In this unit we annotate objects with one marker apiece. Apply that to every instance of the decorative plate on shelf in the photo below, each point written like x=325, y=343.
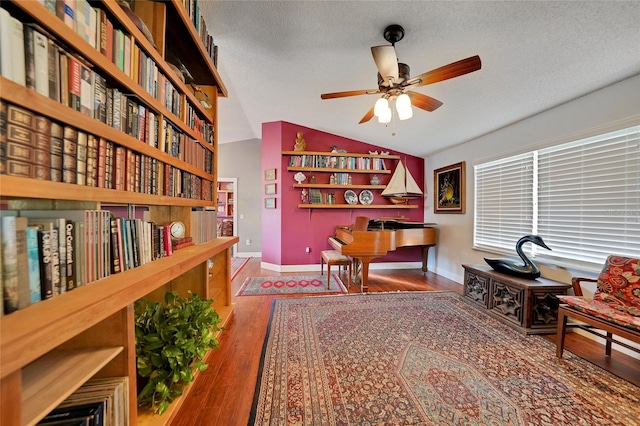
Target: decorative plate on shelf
x=350, y=197
x=366, y=197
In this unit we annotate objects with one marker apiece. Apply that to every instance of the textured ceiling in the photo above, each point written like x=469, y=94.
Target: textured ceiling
x=277, y=57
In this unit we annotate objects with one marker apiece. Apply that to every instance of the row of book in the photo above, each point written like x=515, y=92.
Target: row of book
x=336, y=162
x=96, y=27
x=46, y=253
x=31, y=57
x=193, y=10
x=33, y=146
x=99, y=402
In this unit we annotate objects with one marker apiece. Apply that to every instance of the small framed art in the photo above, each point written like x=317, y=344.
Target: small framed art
x=269, y=203
x=448, y=189
x=270, y=174
x=270, y=189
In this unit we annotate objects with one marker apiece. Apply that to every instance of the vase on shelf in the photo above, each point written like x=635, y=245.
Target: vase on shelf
x=375, y=180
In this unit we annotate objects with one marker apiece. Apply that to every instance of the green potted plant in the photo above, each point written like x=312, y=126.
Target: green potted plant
x=171, y=342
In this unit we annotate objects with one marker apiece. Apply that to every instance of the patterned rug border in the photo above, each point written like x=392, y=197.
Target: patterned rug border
x=238, y=268
x=570, y=358
x=336, y=278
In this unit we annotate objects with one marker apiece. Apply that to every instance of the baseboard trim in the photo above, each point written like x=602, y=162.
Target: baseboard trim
x=248, y=254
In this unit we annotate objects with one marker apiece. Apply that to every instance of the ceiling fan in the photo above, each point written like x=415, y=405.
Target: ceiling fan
x=395, y=84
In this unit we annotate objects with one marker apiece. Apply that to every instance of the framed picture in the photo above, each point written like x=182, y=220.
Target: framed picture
x=270, y=188
x=448, y=189
x=269, y=203
x=270, y=174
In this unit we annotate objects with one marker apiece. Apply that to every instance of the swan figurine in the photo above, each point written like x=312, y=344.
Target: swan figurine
x=511, y=267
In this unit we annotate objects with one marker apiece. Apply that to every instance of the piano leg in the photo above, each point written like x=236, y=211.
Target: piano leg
x=363, y=265
x=357, y=265
x=365, y=276
x=425, y=256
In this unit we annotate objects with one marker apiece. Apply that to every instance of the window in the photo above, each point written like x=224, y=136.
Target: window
x=582, y=198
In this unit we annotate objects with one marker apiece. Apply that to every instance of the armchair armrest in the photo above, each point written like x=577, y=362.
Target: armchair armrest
x=575, y=282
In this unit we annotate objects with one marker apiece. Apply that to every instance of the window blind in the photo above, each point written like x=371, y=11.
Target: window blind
x=504, y=203
x=584, y=198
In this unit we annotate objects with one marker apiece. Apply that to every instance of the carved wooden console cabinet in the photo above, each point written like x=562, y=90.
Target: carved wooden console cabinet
x=529, y=305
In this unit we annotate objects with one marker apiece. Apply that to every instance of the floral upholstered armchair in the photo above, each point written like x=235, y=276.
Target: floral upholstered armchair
x=615, y=307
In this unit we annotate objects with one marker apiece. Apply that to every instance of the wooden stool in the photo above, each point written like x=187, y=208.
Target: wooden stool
x=332, y=257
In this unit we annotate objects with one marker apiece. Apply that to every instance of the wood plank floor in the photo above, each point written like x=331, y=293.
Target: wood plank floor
x=223, y=394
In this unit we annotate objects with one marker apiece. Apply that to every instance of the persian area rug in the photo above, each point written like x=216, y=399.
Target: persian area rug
x=423, y=358
x=237, y=263
x=253, y=286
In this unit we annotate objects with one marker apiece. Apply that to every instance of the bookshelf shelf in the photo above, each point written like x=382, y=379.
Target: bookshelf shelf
x=51, y=348
x=329, y=186
x=358, y=206
x=52, y=378
x=342, y=154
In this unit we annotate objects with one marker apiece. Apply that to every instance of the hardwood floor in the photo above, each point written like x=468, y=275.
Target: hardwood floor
x=223, y=394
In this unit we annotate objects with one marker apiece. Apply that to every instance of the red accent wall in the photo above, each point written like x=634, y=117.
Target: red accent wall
x=288, y=230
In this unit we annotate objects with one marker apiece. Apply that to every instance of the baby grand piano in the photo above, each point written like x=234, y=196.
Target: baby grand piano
x=368, y=239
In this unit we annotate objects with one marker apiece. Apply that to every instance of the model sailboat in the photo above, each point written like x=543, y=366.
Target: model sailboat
x=402, y=187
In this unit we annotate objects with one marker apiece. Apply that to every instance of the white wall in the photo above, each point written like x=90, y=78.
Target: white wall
x=575, y=119
x=242, y=160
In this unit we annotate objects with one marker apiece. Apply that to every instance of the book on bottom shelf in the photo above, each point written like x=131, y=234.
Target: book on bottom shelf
x=92, y=414
x=103, y=400
x=113, y=392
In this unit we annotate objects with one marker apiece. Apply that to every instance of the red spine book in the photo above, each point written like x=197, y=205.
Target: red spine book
x=167, y=240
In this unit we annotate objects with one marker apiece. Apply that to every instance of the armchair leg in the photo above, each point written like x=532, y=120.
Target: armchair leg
x=562, y=329
x=608, y=344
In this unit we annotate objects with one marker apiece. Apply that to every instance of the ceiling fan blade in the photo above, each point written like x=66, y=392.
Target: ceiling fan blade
x=455, y=69
x=424, y=102
x=348, y=93
x=367, y=116
x=386, y=61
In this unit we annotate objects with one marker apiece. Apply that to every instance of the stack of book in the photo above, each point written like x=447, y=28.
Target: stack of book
x=99, y=402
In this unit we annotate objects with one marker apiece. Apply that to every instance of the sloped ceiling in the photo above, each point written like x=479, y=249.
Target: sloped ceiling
x=277, y=57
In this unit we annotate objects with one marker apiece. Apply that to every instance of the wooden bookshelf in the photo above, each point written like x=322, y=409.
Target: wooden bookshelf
x=52, y=347
x=344, y=187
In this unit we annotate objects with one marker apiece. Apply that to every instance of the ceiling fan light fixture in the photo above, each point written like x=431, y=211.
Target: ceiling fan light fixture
x=381, y=105
x=403, y=106
x=385, y=116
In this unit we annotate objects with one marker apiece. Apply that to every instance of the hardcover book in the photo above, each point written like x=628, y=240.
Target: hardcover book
x=42, y=139
x=3, y=138
x=71, y=254
x=10, y=278
x=102, y=163
x=17, y=52
x=69, y=155
x=24, y=290
x=29, y=55
x=33, y=253
x=46, y=266
x=81, y=159
x=57, y=134
x=92, y=161
x=6, y=68
x=54, y=71
x=100, y=98
x=41, y=63
x=64, y=77
x=86, y=90
x=74, y=83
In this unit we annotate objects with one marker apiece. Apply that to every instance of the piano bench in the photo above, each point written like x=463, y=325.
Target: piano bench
x=332, y=257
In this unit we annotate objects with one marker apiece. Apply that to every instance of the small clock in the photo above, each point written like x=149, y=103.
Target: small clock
x=177, y=229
